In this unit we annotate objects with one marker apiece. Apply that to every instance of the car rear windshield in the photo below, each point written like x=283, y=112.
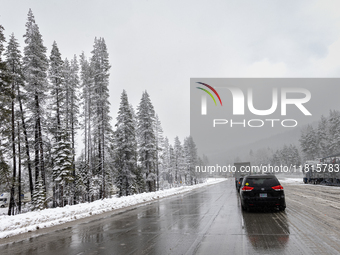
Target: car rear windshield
x=262, y=182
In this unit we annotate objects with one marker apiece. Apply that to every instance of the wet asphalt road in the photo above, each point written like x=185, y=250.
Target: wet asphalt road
x=205, y=221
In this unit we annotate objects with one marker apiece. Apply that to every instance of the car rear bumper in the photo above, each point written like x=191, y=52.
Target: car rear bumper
x=261, y=202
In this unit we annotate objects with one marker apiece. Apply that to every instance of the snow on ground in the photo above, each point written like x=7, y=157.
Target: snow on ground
x=291, y=180
x=31, y=221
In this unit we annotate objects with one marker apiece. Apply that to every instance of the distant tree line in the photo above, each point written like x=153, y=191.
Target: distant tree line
x=316, y=141
x=47, y=102
x=287, y=155
x=322, y=140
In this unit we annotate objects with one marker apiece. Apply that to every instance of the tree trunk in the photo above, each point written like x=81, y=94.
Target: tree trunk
x=73, y=157
x=26, y=144
x=11, y=204
x=102, y=157
x=19, y=174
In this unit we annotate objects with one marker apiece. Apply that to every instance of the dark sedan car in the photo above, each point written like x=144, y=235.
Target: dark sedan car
x=262, y=191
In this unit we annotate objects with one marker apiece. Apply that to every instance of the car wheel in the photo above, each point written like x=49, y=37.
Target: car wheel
x=243, y=207
x=282, y=208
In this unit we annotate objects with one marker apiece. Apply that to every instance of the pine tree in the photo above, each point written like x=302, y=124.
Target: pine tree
x=190, y=152
x=309, y=143
x=323, y=135
x=159, y=147
x=334, y=132
x=86, y=84
x=165, y=162
x=35, y=65
x=5, y=111
x=171, y=169
x=14, y=157
x=102, y=129
x=285, y=155
x=296, y=160
x=7, y=87
x=14, y=64
x=126, y=149
x=71, y=108
x=74, y=113
x=57, y=103
x=63, y=165
x=178, y=160
x=147, y=150
x=139, y=177
x=276, y=159
x=81, y=180
x=57, y=92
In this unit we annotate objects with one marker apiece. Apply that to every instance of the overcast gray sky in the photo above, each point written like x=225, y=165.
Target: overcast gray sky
x=159, y=45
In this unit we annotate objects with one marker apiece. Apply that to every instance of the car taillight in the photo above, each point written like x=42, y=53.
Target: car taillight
x=247, y=188
x=277, y=188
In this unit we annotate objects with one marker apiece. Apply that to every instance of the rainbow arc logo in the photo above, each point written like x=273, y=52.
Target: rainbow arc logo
x=212, y=89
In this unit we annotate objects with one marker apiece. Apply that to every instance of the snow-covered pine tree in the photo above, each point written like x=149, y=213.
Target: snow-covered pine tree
x=171, y=169
x=165, y=165
x=86, y=85
x=178, y=161
x=285, y=155
x=159, y=147
x=13, y=136
x=13, y=59
x=309, y=143
x=139, y=177
x=190, y=152
x=56, y=90
x=323, y=135
x=81, y=179
x=67, y=93
x=63, y=167
x=74, y=113
x=5, y=112
x=334, y=131
x=74, y=101
x=102, y=130
x=303, y=142
x=8, y=85
x=147, y=147
x=57, y=94
x=125, y=149
x=5, y=85
x=296, y=160
x=35, y=65
x=276, y=159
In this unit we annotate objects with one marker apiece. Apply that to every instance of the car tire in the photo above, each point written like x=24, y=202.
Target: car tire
x=282, y=208
x=243, y=207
